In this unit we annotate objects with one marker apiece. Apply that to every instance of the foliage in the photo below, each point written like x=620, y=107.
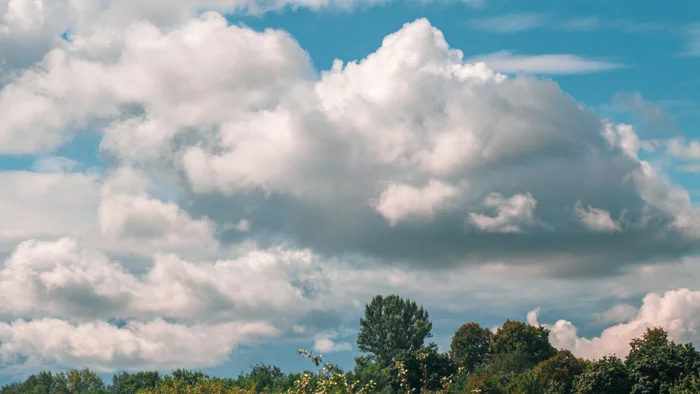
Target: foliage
x=655, y=363
x=393, y=326
x=687, y=385
x=127, y=383
x=556, y=375
x=470, y=346
x=262, y=378
x=524, y=338
x=608, y=375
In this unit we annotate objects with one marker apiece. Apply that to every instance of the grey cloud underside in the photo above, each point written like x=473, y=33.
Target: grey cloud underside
x=444, y=243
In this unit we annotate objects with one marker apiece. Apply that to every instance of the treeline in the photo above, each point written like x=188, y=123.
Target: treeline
x=517, y=358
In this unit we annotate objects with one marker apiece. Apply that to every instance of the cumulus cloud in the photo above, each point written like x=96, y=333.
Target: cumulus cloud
x=511, y=213
x=679, y=148
x=64, y=280
x=296, y=153
x=404, y=202
x=46, y=205
x=106, y=347
x=327, y=343
x=133, y=220
x=596, y=219
x=676, y=311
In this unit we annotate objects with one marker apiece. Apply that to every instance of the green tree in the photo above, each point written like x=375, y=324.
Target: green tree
x=656, y=363
x=264, y=377
x=687, y=385
x=187, y=377
x=392, y=326
x=84, y=381
x=608, y=375
x=128, y=383
x=557, y=374
x=470, y=346
x=517, y=336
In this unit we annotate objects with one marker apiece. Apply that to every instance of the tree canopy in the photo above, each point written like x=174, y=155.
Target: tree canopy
x=392, y=326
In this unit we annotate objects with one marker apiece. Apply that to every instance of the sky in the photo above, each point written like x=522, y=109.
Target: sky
x=211, y=184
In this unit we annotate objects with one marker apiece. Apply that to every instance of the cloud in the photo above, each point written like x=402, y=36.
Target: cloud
x=105, y=347
x=596, y=219
x=676, y=311
x=297, y=153
x=46, y=205
x=515, y=22
x=511, y=213
x=510, y=23
x=692, y=43
x=618, y=313
x=678, y=148
x=400, y=202
x=64, y=280
x=133, y=220
x=55, y=164
x=325, y=343
x=553, y=64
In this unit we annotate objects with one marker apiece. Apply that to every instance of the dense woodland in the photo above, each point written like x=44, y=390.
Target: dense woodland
x=518, y=358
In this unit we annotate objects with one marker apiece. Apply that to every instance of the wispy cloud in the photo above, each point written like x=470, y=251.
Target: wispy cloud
x=511, y=23
x=560, y=64
x=524, y=21
x=692, y=43
x=588, y=23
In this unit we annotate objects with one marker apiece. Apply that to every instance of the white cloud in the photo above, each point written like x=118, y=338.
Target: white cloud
x=326, y=343
x=64, y=280
x=678, y=148
x=676, y=311
x=411, y=113
x=553, y=64
x=399, y=202
x=511, y=213
x=596, y=219
x=36, y=205
x=130, y=217
x=104, y=347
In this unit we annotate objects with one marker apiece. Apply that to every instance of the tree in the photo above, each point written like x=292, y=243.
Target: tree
x=556, y=375
x=470, y=346
x=84, y=381
x=264, y=377
x=392, y=326
x=518, y=336
x=127, y=383
x=656, y=363
x=687, y=385
x=608, y=375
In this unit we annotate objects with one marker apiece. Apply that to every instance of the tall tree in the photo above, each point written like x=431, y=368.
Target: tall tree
x=391, y=327
x=470, y=345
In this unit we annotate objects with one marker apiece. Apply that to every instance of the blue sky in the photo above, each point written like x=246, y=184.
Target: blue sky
x=204, y=173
